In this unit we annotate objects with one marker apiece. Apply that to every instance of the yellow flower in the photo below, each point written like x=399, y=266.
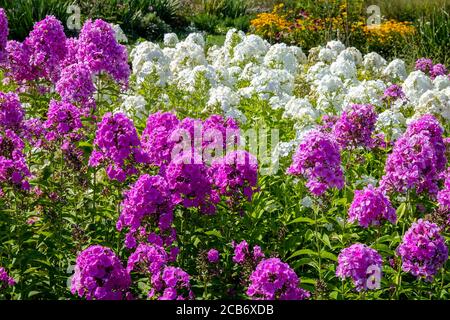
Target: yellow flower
x=389, y=30
x=267, y=24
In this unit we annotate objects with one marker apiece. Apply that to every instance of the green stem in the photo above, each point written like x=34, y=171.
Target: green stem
x=316, y=231
x=94, y=198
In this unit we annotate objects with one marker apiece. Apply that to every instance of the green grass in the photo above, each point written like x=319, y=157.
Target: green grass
x=408, y=10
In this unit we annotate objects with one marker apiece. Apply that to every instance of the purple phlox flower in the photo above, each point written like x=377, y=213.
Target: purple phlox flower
x=275, y=280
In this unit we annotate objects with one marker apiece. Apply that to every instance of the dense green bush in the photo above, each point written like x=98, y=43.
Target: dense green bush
x=22, y=14
x=138, y=18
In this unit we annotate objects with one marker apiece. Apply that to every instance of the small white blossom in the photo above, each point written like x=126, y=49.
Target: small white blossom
x=336, y=46
x=396, y=70
x=170, y=39
x=374, y=62
x=416, y=84
x=327, y=55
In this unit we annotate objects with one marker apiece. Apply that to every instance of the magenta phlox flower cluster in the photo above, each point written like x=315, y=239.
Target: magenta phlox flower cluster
x=219, y=133
x=190, y=184
x=147, y=258
x=4, y=31
x=155, y=138
x=443, y=196
x=356, y=126
x=148, y=199
x=438, y=70
x=213, y=256
x=243, y=255
x=18, y=67
x=235, y=175
x=75, y=84
x=47, y=47
x=40, y=55
x=98, y=48
x=5, y=279
x=328, y=122
x=173, y=284
x=63, y=121
x=117, y=145
x=71, y=52
x=11, y=112
x=431, y=127
x=318, y=159
x=418, y=158
x=186, y=151
x=168, y=283
x=424, y=64
x=423, y=250
x=275, y=280
x=99, y=275
x=370, y=207
x=206, y=140
x=358, y=262
x=33, y=131
x=13, y=167
x=394, y=92
x=433, y=70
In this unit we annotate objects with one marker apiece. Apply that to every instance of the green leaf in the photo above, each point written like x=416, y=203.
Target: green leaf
x=302, y=220
x=32, y=293
x=303, y=252
x=326, y=240
x=328, y=255
x=401, y=211
x=214, y=233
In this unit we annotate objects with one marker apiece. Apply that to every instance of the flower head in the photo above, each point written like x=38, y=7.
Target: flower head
x=318, y=159
x=17, y=65
x=355, y=127
x=75, y=84
x=423, y=250
x=148, y=198
x=11, y=111
x=156, y=140
x=358, y=262
x=370, y=206
x=173, y=284
x=117, y=144
x=424, y=64
x=438, y=70
x=393, y=92
x=243, y=255
x=4, y=31
x=443, y=196
x=275, y=280
x=213, y=256
x=148, y=258
x=236, y=174
x=98, y=48
x=5, y=279
x=13, y=166
x=63, y=120
x=47, y=47
x=191, y=184
x=418, y=158
x=99, y=275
